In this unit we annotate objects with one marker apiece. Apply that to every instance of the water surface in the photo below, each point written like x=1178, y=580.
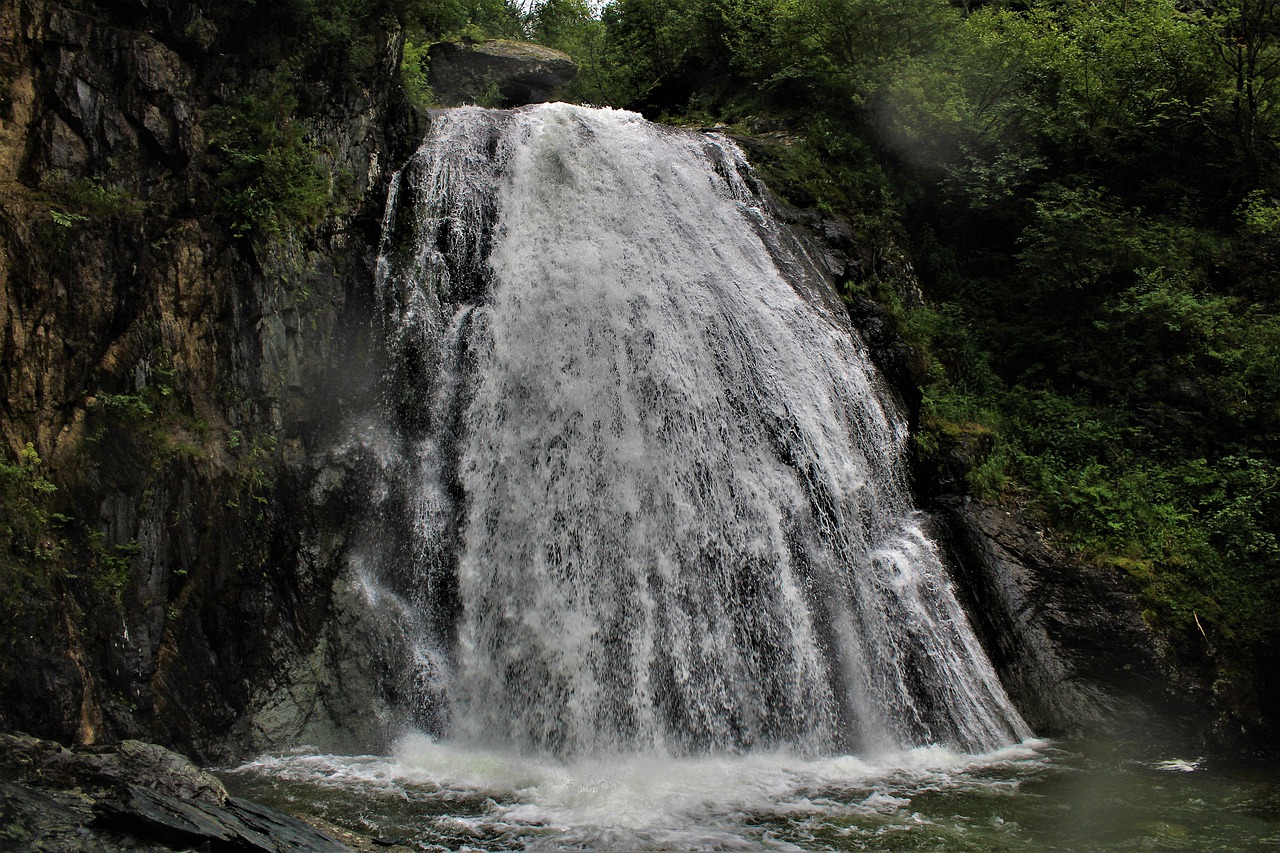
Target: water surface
x=1037, y=795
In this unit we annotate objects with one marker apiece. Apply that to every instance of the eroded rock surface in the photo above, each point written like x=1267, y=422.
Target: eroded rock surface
x=172, y=370
x=132, y=795
x=465, y=72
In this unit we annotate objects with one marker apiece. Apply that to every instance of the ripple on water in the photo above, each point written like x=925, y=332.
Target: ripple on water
x=444, y=795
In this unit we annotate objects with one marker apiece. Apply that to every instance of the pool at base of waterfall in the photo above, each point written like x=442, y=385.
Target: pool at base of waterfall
x=1034, y=796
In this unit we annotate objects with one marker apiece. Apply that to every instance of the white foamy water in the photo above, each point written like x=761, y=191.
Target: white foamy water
x=654, y=489
x=774, y=800
x=1035, y=797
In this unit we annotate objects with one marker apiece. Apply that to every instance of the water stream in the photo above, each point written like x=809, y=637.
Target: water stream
x=1035, y=796
x=651, y=485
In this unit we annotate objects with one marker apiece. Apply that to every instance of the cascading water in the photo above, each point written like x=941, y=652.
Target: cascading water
x=652, y=497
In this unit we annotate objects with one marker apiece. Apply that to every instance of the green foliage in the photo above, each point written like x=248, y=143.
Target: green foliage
x=30, y=542
x=75, y=204
x=413, y=73
x=572, y=26
x=859, y=44
x=1248, y=49
x=24, y=497
x=131, y=408
x=151, y=426
x=835, y=172
x=1260, y=219
x=269, y=178
x=474, y=18
x=1198, y=535
x=1225, y=345
x=111, y=567
x=959, y=412
x=66, y=220
x=491, y=96
x=1075, y=81
x=90, y=199
x=650, y=38
x=254, y=475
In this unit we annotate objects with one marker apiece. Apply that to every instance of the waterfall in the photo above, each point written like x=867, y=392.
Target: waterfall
x=649, y=488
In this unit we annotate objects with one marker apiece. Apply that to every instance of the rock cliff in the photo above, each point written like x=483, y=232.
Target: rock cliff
x=179, y=333
x=498, y=72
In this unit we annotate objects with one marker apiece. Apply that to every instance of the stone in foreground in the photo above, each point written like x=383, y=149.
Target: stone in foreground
x=131, y=795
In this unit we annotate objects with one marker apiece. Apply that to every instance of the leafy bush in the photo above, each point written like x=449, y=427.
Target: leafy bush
x=24, y=496
x=90, y=198
x=413, y=74
x=269, y=178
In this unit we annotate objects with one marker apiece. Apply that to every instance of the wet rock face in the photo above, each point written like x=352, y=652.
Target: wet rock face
x=174, y=377
x=520, y=73
x=1068, y=639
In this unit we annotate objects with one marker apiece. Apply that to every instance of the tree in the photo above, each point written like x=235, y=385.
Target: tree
x=1249, y=47
x=863, y=42
x=571, y=26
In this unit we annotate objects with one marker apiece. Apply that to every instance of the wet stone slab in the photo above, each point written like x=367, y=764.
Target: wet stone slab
x=131, y=796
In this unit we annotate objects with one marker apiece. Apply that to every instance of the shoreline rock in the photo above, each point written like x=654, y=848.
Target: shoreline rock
x=132, y=795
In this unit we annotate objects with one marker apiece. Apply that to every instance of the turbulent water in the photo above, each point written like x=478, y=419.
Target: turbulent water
x=645, y=488
x=1031, y=797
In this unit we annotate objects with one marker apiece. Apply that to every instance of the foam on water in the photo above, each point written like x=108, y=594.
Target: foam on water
x=652, y=801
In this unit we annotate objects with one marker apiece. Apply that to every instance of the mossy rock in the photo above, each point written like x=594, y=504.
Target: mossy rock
x=498, y=72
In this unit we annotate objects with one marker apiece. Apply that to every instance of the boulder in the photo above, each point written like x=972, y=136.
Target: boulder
x=466, y=72
x=132, y=795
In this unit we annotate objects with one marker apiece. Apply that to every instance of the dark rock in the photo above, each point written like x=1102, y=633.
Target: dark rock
x=260, y=342
x=240, y=825
x=147, y=814
x=32, y=819
x=278, y=829
x=1067, y=639
x=465, y=72
x=132, y=795
x=44, y=762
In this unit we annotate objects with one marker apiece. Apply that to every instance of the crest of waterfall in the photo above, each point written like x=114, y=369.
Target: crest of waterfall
x=653, y=496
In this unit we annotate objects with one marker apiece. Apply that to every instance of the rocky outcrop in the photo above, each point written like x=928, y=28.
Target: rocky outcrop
x=1067, y=639
x=174, y=356
x=132, y=795
x=498, y=73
